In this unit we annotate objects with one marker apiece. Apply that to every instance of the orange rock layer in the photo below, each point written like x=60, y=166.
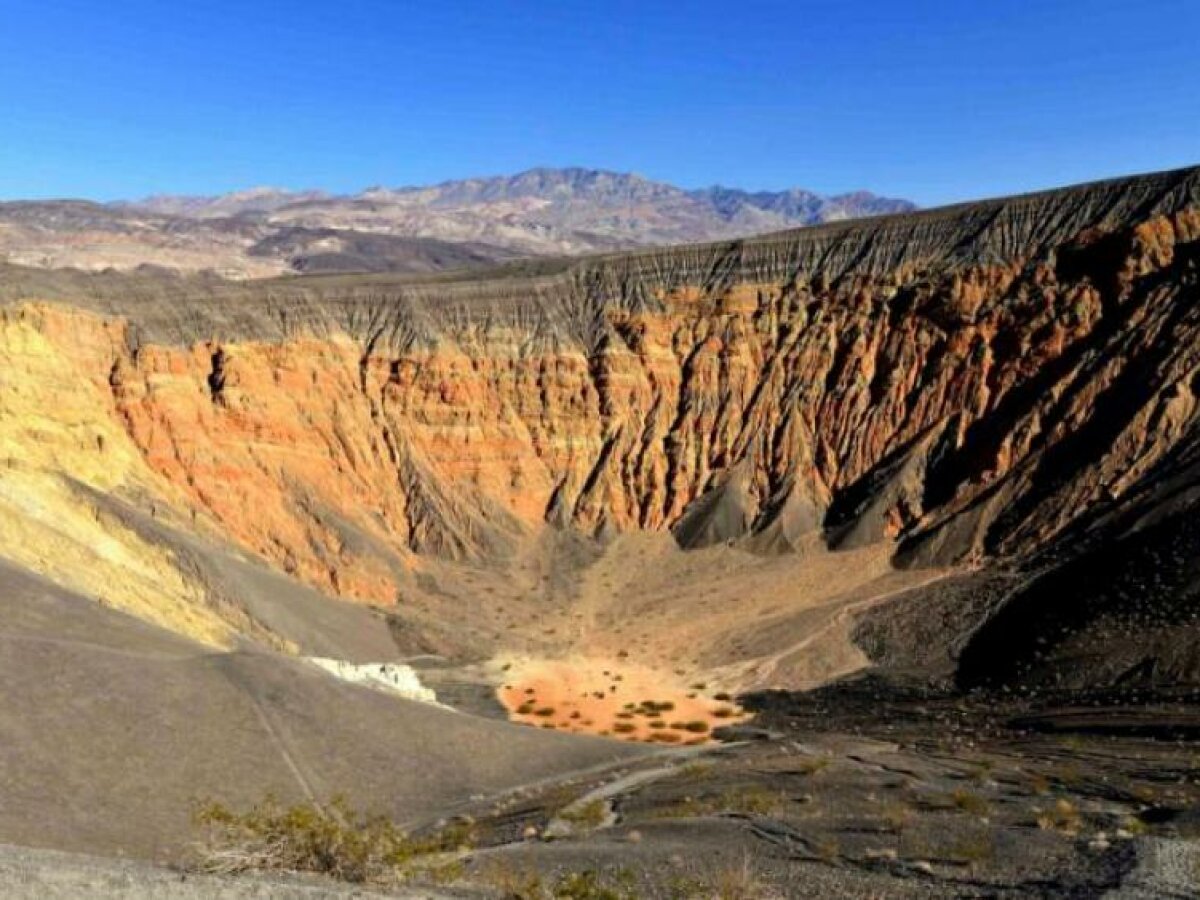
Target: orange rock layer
x=966, y=409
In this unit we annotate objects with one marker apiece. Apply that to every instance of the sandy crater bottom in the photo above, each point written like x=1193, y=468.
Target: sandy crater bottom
x=613, y=698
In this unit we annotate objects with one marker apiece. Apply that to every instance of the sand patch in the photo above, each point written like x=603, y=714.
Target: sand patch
x=614, y=698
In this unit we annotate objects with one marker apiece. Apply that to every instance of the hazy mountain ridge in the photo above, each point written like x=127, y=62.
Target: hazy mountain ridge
x=574, y=186
x=267, y=231
x=541, y=211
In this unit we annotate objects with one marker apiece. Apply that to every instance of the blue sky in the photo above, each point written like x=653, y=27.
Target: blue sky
x=935, y=101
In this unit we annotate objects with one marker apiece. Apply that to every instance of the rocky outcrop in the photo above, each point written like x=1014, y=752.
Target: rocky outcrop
x=970, y=383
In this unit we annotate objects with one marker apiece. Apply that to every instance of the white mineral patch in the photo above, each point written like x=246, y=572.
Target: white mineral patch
x=395, y=678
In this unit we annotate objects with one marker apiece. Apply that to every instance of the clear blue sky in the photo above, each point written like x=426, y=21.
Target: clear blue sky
x=935, y=101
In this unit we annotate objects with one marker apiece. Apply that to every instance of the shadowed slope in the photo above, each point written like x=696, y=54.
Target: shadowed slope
x=113, y=727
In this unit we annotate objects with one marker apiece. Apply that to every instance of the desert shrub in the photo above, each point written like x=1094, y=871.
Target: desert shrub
x=897, y=817
x=590, y=815
x=665, y=737
x=696, y=727
x=694, y=771
x=544, y=712
x=685, y=887
x=331, y=840
x=1063, y=816
x=1038, y=784
x=1135, y=826
x=589, y=885
x=624, y=728
x=724, y=712
x=982, y=771
x=738, y=881
x=972, y=849
x=654, y=707
x=512, y=880
x=969, y=802
x=812, y=765
x=826, y=849
x=754, y=798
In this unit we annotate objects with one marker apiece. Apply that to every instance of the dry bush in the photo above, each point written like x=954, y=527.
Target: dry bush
x=812, y=765
x=1038, y=784
x=1063, y=816
x=971, y=850
x=331, y=840
x=652, y=707
x=590, y=885
x=754, y=798
x=512, y=880
x=827, y=849
x=739, y=881
x=1135, y=826
x=665, y=737
x=897, y=816
x=969, y=802
x=694, y=771
x=590, y=815
x=981, y=773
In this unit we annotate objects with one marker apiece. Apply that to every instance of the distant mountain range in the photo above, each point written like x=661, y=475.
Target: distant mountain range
x=266, y=231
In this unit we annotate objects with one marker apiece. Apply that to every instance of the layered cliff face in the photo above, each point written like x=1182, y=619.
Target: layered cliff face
x=969, y=385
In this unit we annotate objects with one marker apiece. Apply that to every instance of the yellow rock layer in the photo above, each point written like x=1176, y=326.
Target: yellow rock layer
x=57, y=424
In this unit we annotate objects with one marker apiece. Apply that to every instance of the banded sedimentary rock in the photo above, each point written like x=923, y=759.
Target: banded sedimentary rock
x=968, y=382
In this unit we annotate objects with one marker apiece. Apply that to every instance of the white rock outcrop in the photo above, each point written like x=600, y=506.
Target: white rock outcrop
x=395, y=678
